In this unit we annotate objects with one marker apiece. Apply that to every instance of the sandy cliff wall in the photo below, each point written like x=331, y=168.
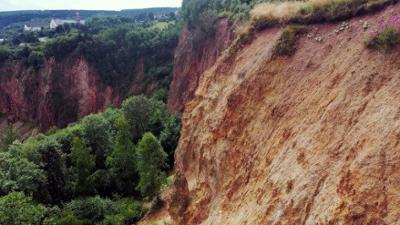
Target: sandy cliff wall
x=193, y=56
x=310, y=139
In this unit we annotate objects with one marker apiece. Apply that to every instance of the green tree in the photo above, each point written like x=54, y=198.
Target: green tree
x=36, y=59
x=8, y=137
x=18, y=209
x=138, y=112
x=129, y=212
x=53, y=162
x=122, y=161
x=18, y=174
x=169, y=137
x=91, y=210
x=84, y=165
x=151, y=160
x=4, y=53
x=96, y=130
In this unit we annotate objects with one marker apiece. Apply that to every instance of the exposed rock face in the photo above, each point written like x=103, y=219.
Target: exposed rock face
x=59, y=93
x=310, y=139
x=192, y=58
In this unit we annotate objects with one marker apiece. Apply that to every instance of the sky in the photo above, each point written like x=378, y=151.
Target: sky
x=10, y=5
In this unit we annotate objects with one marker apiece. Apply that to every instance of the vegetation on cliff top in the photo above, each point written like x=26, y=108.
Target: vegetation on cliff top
x=96, y=171
x=117, y=47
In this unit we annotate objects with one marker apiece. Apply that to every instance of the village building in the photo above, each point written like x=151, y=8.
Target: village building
x=54, y=23
x=36, y=26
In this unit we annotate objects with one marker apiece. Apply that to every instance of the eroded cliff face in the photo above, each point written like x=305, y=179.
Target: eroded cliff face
x=309, y=139
x=59, y=93
x=193, y=56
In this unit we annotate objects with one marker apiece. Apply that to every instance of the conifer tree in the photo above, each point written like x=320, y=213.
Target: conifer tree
x=151, y=160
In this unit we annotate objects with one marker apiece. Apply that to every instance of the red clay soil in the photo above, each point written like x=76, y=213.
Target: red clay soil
x=192, y=58
x=308, y=139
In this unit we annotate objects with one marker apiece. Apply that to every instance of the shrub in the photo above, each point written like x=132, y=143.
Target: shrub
x=385, y=40
x=286, y=44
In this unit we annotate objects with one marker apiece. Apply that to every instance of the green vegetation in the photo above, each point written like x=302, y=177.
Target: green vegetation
x=286, y=44
x=84, y=166
x=385, y=40
x=116, y=46
x=16, y=208
x=98, y=170
x=151, y=160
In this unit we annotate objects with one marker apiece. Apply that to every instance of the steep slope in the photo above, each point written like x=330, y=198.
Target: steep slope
x=310, y=139
x=60, y=92
x=192, y=58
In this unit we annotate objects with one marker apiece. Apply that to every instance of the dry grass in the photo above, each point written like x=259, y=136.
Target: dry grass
x=268, y=14
x=276, y=11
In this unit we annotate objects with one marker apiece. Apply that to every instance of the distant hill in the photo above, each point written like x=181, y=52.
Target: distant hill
x=14, y=17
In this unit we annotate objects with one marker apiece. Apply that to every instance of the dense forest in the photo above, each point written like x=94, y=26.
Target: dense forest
x=99, y=170
x=111, y=44
x=103, y=168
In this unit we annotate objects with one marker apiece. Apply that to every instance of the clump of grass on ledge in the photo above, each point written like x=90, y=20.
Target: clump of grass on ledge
x=243, y=37
x=303, y=12
x=286, y=44
x=384, y=40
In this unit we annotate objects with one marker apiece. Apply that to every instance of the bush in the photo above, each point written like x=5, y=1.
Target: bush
x=385, y=40
x=286, y=44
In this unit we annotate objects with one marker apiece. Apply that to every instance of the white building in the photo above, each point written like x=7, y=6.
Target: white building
x=54, y=23
x=35, y=27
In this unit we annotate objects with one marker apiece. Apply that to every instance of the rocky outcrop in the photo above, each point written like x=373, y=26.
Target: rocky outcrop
x=59, y=93
x=310, y=139
x=193, y=56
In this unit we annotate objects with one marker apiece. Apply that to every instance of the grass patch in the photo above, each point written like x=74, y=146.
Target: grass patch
x=286, y=44
x=243, y=38
x=385, y=40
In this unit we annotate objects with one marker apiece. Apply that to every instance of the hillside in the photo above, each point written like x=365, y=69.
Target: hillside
x=310, y=138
